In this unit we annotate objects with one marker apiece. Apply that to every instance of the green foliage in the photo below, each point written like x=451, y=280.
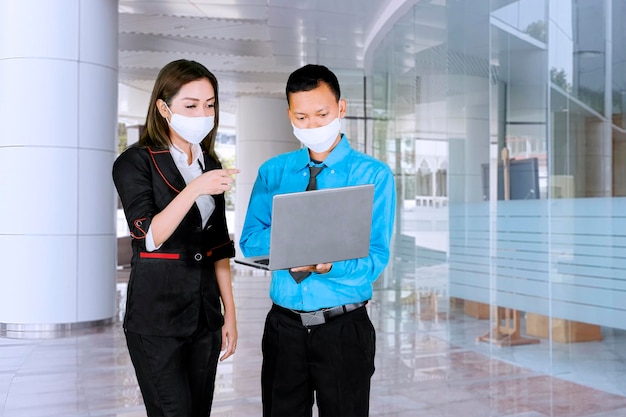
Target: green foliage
x=537, y=30
x=122, y=138
x=559, y=78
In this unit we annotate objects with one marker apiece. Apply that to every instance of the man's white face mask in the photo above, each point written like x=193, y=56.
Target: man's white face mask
x=318, y=139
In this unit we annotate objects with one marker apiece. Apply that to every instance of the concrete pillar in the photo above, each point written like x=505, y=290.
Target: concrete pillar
x=263, y=130
x=58, y=84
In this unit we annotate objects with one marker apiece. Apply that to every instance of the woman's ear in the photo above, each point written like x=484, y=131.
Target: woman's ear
x=162, y=108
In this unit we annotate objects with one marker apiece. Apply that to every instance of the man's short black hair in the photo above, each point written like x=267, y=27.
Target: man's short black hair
x=309, y=77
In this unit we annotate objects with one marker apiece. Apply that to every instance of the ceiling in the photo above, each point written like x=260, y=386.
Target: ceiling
x=250, y=45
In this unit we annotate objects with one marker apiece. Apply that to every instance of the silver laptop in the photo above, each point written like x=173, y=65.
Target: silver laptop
x=321, y=226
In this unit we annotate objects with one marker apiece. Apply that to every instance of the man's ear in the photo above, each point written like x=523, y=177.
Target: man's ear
x=342, y=107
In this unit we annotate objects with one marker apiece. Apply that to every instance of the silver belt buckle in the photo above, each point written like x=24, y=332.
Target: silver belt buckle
x=314, y=318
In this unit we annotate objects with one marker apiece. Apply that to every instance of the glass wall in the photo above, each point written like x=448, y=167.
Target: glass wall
x=504, y=123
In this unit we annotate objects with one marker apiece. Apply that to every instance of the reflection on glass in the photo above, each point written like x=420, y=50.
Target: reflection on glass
x=544, y=85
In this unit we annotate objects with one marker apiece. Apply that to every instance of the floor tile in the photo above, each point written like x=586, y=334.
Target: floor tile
x=427, y=364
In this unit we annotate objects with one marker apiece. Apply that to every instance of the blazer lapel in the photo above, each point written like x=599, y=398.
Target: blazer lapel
x=165, y=166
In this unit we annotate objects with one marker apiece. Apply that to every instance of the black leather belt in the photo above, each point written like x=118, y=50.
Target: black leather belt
x=315, y=318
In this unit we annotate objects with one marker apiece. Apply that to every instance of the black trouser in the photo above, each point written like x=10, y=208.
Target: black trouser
x=335, y=360
x=176, y=375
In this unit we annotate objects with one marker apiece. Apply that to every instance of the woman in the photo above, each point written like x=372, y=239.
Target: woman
x=172, y=186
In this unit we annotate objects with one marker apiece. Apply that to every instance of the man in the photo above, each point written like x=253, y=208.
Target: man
x=335, y=359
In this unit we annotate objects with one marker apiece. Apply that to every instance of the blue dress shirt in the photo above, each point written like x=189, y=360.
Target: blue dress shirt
x=348, y=281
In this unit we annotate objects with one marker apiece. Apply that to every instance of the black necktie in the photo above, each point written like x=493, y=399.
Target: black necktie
x=300, y=276
x=313, y=177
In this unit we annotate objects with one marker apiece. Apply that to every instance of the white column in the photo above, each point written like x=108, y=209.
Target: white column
x=263, y=130
x=58, y=84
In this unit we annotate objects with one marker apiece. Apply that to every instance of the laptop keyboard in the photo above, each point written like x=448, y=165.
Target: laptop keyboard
x=263, y=261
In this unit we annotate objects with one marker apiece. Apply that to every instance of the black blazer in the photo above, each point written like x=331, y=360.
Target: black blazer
x=169, y=287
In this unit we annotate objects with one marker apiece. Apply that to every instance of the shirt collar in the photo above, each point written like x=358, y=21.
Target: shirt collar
x=180, y=157
x=339, y=153
x=334, y=158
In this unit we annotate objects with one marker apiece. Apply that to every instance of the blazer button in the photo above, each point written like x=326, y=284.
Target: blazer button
x=197, y=256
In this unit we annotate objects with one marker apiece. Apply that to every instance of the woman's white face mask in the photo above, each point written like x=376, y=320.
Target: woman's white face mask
x=318, y=139
x=192, y=129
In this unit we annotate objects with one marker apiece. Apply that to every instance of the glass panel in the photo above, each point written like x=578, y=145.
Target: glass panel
x=354, y=123
x=526, y=16
x=408, y=98
x=495, y=118
x=577, y=27
x=618, y=73
x=618, y=40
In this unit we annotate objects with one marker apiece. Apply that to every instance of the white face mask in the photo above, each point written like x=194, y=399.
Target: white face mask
x=319, y=139
x=192, y=129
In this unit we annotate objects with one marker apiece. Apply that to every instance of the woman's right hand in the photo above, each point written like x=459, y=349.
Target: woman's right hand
x=215, y=181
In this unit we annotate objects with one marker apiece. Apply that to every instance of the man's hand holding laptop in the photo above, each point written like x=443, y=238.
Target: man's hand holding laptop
x=319, y=268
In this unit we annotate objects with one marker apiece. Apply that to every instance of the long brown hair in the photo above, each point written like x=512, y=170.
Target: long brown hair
x=168, y=83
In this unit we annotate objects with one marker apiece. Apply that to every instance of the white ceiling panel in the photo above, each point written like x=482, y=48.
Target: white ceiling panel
x=325, y=21
x=144, y=42
x=251, y=45
x=355, y=7
x=193, y=27
x=250, y=12
x=163, y=7
x=144, y=59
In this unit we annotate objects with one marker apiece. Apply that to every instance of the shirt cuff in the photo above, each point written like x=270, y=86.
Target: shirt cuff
x=150, y=246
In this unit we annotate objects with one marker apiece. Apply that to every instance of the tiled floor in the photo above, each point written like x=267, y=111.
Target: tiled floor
x=431, y=366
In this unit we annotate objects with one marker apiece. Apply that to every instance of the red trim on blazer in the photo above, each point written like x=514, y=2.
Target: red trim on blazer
x=157, y=255
x=159, y=169
x=137, y=224
x=161, y=255
x=210, y=252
